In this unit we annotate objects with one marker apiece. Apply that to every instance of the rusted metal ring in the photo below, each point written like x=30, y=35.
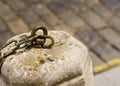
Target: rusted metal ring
x=36, y=43
x=33, y=33
x=38, y=40
x=51, y=44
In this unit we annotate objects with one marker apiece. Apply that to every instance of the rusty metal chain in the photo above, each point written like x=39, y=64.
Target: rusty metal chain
x=34, y=40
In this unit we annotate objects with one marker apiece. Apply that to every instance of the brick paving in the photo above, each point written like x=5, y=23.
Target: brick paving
x=97, y=26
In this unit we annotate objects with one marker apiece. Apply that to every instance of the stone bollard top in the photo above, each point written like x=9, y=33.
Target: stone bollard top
x=66, y=59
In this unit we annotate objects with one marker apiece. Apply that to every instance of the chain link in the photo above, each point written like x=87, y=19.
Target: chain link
x=34, y=40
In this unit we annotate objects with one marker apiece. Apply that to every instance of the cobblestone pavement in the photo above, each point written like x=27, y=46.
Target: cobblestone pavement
x=97, y=26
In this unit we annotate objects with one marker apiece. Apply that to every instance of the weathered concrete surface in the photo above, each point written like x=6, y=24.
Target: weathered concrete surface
x=67, y=63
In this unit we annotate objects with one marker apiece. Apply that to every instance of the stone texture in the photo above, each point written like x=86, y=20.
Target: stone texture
x=93, y=20
x=46, y=15
x=112, y=4
x=103, y=11
x=95, y=59
x=29, y=16
x=67, y=63
x=67, y=16
x=106, y=51
x=17, y=5
x=66, y=28
x=89, y=36
x=76, y=5
x=110, y=35
x=115, y=23
x=32, y=2
x=57, y=7
x=6, y=13
x=117, y=45
x=91, y=3
x=3, y=26
x=4, y=36
x=18, y=26
x=24, y=12
x=72, y=19
x=40, y=9
x=45, y=12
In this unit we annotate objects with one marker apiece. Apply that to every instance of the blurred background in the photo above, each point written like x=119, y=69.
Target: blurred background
x=96, y=23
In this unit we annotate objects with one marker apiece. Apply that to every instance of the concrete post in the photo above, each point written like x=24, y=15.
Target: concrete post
x=67, y=63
